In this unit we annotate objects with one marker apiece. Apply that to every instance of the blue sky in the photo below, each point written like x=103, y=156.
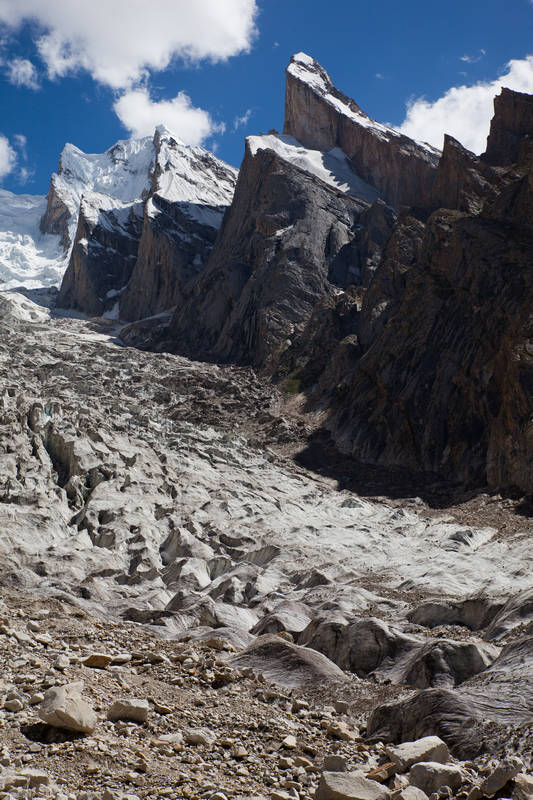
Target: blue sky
x=91, y=73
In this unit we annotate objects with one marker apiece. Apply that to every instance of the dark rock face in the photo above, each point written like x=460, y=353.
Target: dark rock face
x=444, y=383
x=321, y=117
x=462, y=181
x=102, y=259
x=190, y=192
x=511, y=127
x=173, y=249
x=285, y=240
x=56, y=217
x=143, y=251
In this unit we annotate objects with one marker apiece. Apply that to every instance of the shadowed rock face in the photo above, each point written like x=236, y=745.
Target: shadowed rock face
x=511, y=126
x=322, y=117
x=56, y=216
x=173, y=248
x=102, y=259
x=444, y=381
x=462, y=181
x=145, y=246
x=190, y=192
x=284, y=234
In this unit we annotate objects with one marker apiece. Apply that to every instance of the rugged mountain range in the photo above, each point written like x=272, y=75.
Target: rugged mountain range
x=409, y=327
x=382, y=293
x=387, y=281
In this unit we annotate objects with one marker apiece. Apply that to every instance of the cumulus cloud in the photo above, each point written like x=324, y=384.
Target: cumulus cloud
x=240, y=122
x=118, y=41
x=8, y=157
x=465, y=111
x=140, y=115
x=21, y=72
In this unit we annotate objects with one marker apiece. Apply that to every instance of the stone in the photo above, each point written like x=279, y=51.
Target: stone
x=290, y=742
x=501, y=775
x=430, y=776
x=97, y=660
x=429, y=748
x=383, y=772
x=341, y=706
x=410, y=793
x=349, y=786
x=523, y=786
x=341, y=730
x=13, y=705
x=131, y=709
x=201, y=736
x=64, y=707
x=333, y=763
x=62, y=662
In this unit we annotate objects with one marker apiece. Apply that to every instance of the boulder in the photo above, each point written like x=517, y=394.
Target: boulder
x=501, y=775
x=129, y=709
x=430, y=776
x=429, y=748
x=64, y=707
x=349, y=786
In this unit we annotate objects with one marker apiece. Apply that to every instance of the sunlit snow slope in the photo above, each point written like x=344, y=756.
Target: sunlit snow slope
x=27, y=257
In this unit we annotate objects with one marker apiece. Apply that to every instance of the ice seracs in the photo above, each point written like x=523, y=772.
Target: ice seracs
x=27, y=257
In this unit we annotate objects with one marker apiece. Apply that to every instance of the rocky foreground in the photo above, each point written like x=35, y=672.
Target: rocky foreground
x=244, y=623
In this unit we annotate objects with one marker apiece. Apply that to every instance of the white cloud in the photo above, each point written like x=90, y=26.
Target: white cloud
x=117, y=41
x=465, y=111
x=474, y=59
x=240, y=122
x=24, y=175
x=8, y=157
x=140, y=115
x=21, y=142
x=21, y=72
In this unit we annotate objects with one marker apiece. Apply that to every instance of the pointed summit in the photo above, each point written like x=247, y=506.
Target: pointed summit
x=322, y=117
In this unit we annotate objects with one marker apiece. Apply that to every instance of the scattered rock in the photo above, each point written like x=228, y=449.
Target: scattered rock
x=64, y=707
x=430, y=776
x=129, y=708
x=349, y=786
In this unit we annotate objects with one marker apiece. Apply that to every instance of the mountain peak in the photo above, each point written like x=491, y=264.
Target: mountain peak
x=162, y=132
x=322, y=117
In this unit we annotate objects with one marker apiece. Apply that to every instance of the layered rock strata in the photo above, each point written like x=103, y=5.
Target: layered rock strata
x=322, y=117
x=444, y=380
x=286, y=243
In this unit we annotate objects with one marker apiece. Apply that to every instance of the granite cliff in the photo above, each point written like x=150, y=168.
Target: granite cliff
x=147, y=214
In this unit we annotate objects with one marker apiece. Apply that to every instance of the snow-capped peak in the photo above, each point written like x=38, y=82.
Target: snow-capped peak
x=306, y=69
x=119, y=180
x=165, y=133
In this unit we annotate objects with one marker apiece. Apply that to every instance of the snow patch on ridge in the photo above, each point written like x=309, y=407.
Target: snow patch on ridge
x=192, y=175
x=304, y=68
x=333, y=168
